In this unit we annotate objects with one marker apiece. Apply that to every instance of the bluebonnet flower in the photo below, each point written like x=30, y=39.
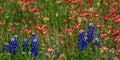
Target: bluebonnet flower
x=98, y=34
x=5, y=47
x=97, y=43
x=33, y=36
x=25, y=45
x=90, y=33
x=82, y=44
x=34, y=47
x=12, y=46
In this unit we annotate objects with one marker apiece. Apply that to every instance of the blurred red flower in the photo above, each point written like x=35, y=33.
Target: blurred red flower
x=16, y=23
x=28, y=30
x=102, y=35
x=112, y=11
x=27, y=0
x=100, y=25
x=23, y=7
x=105, y=16
x=2, y=22
x=41, y=7
x=72, y=11
x=115, y=31
x=103, y=48
x=76, y=25
x=40, y=27
x=87, y=13
x=116, y=39
x=81, y=11
x=95, y=14
x=11, y=27
x=1, y=10
x=116, y=18
x=31, y=8
x=30, y=21
x=118, y=49
x=45, y=31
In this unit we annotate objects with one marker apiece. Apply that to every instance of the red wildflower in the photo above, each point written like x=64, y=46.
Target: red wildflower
x=109, y=26
x=87, y=13
x=89, y=1
x=11, y=27
x=114, y=3
x=102, y=35
x=118, y=49
x=112, y=50
x=115, y=31
x=116, y=18
x=70, y=30
x=108, y=31
x=23, y=7
x=116, y=39
x=1, y=10
x=100, y=25
x=95, y=14
x=76, y=25
x=39, y=16
x=45, y=31
x=81, y=11
x=36, y=13
x=31, y=8
x=65, y=29
x=105, y=3
x=50, y=49
x=28, y=30
x=71, y=17
x=2, y=22
x=72, y=11
x=62, y=55
x=78, y=2
x=40, y=27
x=105, y=16
x=41, y=7
x=61, y=35
x=20, y=31
x=30, y=21
x=103, y=48
x=27, y=0
x=16, y=23
x=68, y=1
x=112, y=11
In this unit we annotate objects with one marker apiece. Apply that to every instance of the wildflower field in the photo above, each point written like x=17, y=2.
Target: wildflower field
x=59, y=29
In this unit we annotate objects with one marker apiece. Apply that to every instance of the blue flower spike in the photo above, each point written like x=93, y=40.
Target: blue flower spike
x=5, y=47
x=97, y=42
x=33, y=36
x=34, y=47
x=25, y=45
x=12, y=46
x=90, y=33
x=82, y=43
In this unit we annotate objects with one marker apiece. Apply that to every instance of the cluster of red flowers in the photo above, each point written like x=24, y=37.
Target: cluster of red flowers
x=42, y=28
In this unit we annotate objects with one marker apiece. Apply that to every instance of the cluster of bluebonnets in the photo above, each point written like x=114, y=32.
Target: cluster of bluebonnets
x=12, y=45
x=85, y=38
